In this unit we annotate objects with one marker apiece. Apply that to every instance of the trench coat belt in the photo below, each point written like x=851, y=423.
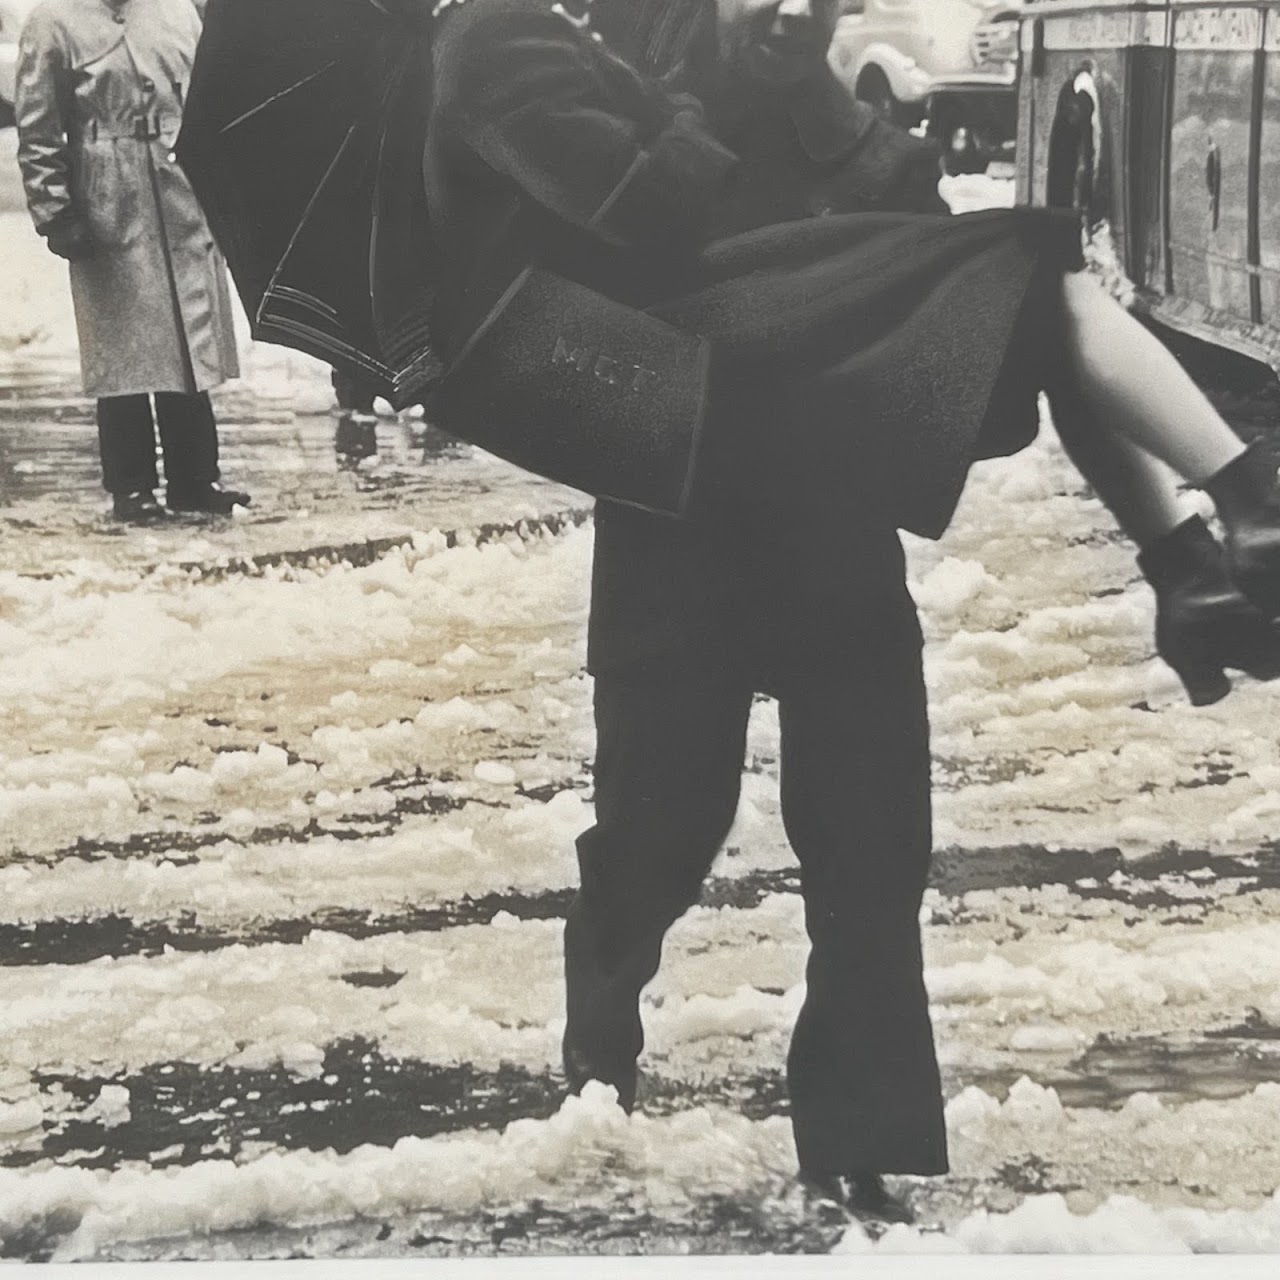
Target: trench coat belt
x=146, y=126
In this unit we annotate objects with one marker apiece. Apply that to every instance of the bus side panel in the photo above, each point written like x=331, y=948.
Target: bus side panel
x=1269, y=193
x=1061, y=69
x=1145, y=260
x=1123, y=55
x=1210, y=138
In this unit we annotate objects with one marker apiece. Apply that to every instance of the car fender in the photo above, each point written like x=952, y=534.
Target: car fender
x=907, y=78
x=979, y=80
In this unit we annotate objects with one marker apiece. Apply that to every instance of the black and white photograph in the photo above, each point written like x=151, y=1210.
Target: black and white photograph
x=644, y=628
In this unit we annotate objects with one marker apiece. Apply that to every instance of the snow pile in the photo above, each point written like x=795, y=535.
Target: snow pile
x=111, y=1108
x=560, y=1160
x=20, y=1118
x=1225, y=1145
x=1044, y=1224
x=139, y=650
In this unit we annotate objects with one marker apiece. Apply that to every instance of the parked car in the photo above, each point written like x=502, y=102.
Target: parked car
x=1161, y=119
x=974, y=113
x=891, y=53
x=13, y=13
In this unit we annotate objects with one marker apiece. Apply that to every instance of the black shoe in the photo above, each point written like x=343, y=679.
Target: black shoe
x=1248, y=500
x=209, y=498
x=863, y=1195
x=356, y=437
x=1204, y=624
x=138, y=508
x=580, y=1068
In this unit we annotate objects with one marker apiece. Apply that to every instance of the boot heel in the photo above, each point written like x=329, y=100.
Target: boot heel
x=1204, y=684
x=1248, y=499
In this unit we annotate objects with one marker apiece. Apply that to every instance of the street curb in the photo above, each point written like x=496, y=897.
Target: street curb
x=360, y=555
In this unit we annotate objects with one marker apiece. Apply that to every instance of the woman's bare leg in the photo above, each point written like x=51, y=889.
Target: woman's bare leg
x=1133, y=421
x=1138, y=489
x=1135, y=388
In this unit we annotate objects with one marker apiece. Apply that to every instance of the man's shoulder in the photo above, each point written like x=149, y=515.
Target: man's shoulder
x=485, y=46
x=460, y=20
x=48, y=17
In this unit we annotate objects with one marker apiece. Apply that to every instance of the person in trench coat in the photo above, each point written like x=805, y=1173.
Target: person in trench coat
x=897, y=347
x=98, y=103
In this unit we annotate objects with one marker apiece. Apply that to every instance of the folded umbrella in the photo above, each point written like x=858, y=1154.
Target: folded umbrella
x=302, y=136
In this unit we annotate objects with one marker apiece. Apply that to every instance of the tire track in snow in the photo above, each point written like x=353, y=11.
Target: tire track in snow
x=180, y=1113
x=1167, y=881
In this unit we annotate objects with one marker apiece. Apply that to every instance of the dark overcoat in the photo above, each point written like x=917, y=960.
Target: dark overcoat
x=836, y=337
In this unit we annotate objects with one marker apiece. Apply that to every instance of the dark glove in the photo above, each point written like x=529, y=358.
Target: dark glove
x=69, y=239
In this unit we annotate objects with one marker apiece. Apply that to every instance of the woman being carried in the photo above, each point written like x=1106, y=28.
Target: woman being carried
x=889, y=350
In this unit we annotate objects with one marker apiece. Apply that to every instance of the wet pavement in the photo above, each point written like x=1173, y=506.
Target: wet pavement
x=309, y=502
x=279, y=432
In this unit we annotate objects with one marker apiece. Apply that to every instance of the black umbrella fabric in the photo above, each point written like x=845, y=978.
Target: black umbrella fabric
x=302, y=136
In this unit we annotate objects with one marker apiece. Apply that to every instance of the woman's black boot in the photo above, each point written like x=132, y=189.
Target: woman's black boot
x=1248, y=500
x=1204, y=624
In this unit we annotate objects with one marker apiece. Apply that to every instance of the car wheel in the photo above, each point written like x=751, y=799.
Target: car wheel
x=874, y=89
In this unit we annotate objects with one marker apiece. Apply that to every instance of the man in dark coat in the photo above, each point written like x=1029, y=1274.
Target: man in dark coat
x=528, y=156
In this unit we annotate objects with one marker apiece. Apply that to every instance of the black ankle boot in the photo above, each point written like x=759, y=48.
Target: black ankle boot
x=212, y=499
x=1203, y=622
x=1248, y=500
x=864, y=1195
x=140, y=507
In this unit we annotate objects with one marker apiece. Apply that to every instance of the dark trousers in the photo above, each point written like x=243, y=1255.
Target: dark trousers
x=127, y=441
x=353, y=394
x=862, y=1071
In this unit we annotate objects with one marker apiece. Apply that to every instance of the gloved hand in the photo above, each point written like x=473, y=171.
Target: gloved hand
x=69, y=239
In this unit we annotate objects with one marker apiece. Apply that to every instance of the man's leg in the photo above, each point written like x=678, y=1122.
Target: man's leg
x=357, y=433
x=127, y=444
x=668, y=770
x=189, y=440
x=127, y=447
x=863, y=1075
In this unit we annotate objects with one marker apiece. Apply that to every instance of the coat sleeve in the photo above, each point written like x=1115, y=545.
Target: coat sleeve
x=578, y=131
x=891, y=170
x=43, y=153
